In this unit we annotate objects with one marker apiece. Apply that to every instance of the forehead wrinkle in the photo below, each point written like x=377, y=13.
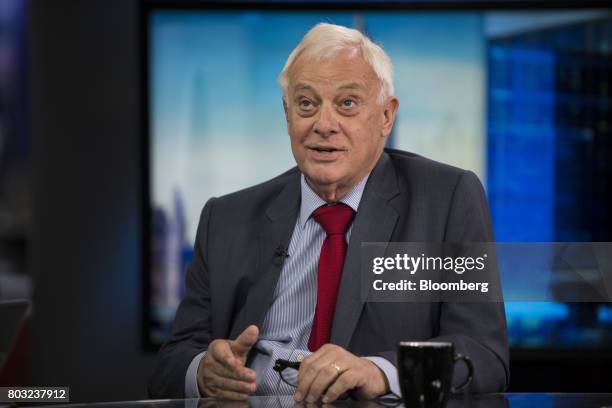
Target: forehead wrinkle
x=351, y=85
x=301, y=86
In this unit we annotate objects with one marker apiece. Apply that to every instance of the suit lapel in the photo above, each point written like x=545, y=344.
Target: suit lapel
x=280, y=218
x=374, y=222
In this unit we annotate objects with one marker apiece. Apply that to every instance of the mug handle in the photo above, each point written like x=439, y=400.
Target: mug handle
x=470, y=367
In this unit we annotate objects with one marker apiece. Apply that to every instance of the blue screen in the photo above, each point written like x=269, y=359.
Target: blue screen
x=492, y=92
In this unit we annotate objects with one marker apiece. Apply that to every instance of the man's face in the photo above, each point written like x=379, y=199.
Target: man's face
x=336, y=122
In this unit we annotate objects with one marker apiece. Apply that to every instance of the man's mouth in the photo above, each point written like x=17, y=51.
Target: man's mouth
x=326, y=149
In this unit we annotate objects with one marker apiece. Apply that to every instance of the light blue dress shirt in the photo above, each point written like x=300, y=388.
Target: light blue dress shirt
x=286, y=327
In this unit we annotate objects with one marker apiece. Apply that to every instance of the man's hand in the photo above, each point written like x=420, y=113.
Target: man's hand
x=331, y=371
x=222, y=372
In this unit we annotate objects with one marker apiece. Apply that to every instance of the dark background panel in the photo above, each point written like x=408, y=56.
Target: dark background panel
x=86, y=233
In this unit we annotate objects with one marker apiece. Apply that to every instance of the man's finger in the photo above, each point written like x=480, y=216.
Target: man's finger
x=243, y=343
x=345, y=382
x=308, y=372
x=325, y=377
x=222, y=352
x=229, y=384
x=238, y=372
x=215, y=378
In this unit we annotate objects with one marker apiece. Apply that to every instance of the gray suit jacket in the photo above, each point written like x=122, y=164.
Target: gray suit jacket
x=231, y=280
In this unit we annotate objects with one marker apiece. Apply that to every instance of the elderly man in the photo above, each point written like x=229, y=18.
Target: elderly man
x=275, y=273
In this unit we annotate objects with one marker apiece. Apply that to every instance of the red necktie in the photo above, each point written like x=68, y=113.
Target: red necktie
x=335, y=220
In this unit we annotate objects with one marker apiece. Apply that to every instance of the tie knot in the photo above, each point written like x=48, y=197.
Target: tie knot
x=334, y=218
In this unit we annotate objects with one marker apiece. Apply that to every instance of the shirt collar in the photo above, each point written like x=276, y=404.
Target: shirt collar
x=311, y=201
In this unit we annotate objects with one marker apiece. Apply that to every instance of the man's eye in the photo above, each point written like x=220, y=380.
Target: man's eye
x=305, y=104
x=348, y=103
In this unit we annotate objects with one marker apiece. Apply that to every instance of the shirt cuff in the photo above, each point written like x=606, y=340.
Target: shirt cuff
x=191, y=378
x=390, y=372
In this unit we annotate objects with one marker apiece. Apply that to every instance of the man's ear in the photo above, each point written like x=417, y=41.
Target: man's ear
x=285, y=109
x=389, y=112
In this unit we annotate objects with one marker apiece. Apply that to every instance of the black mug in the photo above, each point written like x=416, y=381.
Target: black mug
x=425, y=371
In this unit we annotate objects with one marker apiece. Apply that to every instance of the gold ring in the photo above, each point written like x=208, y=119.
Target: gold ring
x=337, y=367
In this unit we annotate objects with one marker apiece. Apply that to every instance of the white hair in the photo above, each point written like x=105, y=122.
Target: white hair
x=325, y=41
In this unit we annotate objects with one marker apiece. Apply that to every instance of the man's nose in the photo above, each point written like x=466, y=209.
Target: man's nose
x=326, y=123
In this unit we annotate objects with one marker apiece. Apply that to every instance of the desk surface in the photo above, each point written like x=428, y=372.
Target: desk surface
x=509, y=400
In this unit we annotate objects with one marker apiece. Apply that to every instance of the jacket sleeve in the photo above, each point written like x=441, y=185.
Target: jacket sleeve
x=477, y=330
x=191, y=331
